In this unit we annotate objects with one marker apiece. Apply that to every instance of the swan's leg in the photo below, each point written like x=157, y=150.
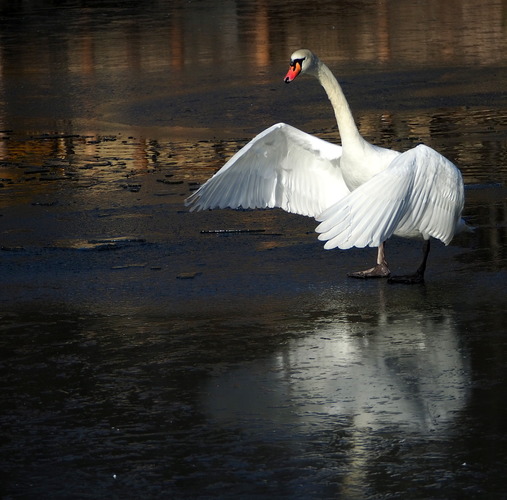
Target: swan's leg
x=380, y=270
x=418, y=276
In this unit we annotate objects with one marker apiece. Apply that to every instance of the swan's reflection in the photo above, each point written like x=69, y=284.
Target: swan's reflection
x=348, y=397
x=404, y=372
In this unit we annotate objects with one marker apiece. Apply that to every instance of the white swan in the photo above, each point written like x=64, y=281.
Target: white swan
x=360, y=193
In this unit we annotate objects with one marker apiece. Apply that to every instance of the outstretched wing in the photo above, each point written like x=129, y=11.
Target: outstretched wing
x=419, y=194
x=281, y=167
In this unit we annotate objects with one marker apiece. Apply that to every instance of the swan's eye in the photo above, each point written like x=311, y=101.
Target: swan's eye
x=297, y=61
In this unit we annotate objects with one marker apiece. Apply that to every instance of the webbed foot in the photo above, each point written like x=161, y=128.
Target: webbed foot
x=408, y=279
x=379, y=271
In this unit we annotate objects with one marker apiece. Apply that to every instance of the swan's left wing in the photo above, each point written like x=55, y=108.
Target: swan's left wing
x=419, y=194
x=281, y=167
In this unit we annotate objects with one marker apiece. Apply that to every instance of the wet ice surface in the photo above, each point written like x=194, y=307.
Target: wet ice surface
x=148, y=351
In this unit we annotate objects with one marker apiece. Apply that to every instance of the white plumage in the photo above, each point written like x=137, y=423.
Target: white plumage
x=419, y=194
x=281, y=167
x=360, y=193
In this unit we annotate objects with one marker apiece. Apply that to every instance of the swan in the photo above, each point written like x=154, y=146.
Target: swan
x=360, y=194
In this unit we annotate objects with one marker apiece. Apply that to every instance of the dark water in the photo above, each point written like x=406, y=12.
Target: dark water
x=147, y=353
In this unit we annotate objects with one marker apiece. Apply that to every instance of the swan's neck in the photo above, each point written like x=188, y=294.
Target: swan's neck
x=348, y=130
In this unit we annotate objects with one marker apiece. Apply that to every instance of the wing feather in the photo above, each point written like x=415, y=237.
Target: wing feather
x=281, y=167
x=419, y=194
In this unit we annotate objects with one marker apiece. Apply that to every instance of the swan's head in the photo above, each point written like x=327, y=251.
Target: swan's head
x=301, y=61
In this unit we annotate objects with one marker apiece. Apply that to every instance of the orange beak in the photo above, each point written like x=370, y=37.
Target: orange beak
x=294, y=70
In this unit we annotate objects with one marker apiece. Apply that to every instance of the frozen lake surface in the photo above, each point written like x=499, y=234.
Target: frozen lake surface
x=151, y=352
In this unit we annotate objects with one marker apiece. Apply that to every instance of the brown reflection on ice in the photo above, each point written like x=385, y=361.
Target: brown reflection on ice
x=447, y=31
x=61, y=166
x=87, y=62
x=178, y=34
x=418, y=33
x=261, y=35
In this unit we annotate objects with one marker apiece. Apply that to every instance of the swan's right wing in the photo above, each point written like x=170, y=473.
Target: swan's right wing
x=419, y=194
x=281, y=167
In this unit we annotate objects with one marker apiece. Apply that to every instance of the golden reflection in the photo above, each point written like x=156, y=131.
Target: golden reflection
x=433, y=32
x=87, y=51
x=176, y=42
x=261, y=35
x=184, y=46
x=384, y=47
